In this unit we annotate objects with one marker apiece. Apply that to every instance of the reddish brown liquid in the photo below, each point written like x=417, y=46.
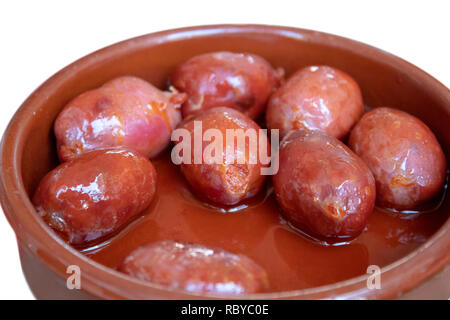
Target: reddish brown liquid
x=258, y=231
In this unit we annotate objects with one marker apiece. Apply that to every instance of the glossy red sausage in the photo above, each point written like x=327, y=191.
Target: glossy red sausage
x=195, y=268
x=237, y=174
x=316, y=98
x=241, y=81
x=323, y=188
x=96, y=194
x=124, y=112
x=406, y=159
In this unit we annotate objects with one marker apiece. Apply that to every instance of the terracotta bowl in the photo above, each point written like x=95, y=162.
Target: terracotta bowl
x=28, y=151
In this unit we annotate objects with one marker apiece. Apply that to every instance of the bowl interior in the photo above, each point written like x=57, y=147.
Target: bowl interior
x=384, y=79
x=382, y=82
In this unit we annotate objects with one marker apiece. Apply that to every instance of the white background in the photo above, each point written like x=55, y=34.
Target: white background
x=37, y=38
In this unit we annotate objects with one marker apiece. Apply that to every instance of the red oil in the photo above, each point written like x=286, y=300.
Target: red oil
x=256, y=229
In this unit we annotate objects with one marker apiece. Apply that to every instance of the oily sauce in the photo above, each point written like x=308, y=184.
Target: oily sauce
x=255, y=228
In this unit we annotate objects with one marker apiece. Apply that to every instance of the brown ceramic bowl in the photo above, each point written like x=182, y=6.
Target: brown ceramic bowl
x=28, y=151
